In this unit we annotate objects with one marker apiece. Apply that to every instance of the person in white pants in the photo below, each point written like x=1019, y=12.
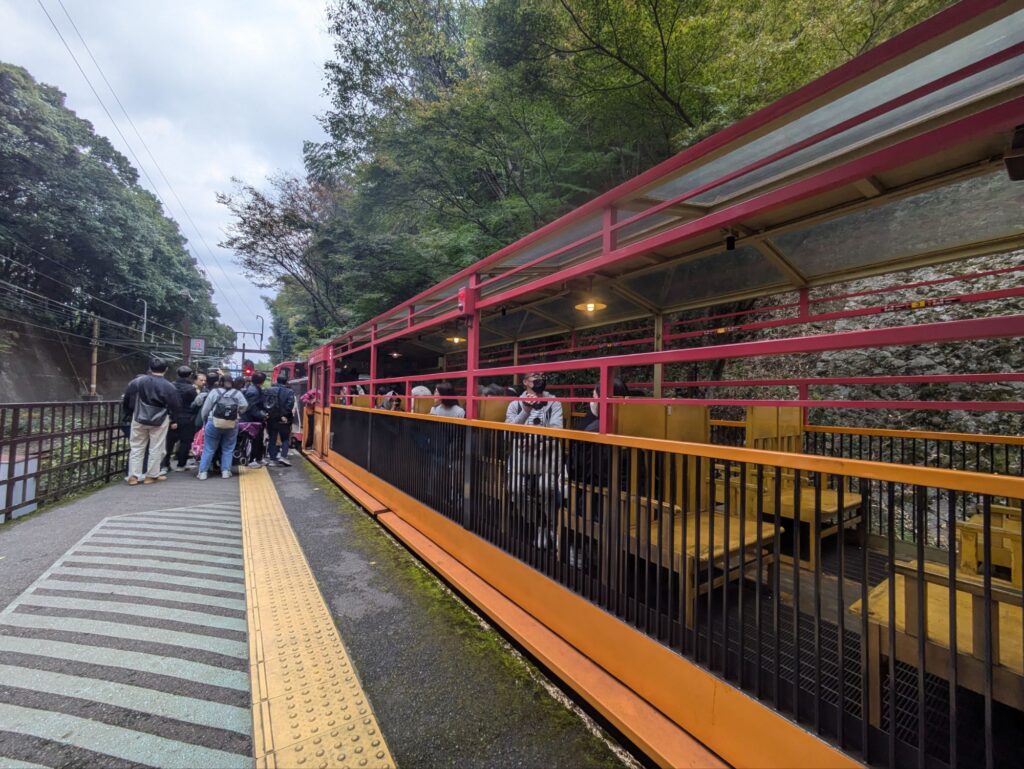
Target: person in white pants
x=151, y=400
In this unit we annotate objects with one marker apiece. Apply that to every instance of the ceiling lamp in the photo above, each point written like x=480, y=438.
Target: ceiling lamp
x=591, y=303
x=455, y=339
x=395, y=354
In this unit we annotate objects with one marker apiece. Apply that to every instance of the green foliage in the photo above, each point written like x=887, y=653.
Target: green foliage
x=72, y=210
x=457, y=126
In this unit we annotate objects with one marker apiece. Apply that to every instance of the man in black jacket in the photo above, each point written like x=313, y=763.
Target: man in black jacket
x=279, y=401
x=151, y=400
x=256, y=412
x=185, y=430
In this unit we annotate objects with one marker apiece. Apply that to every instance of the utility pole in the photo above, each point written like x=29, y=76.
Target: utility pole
x=95, y=357
x=186, y=340
x=145, y=315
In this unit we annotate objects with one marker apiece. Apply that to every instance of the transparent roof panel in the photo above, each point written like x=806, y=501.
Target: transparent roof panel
x=973, y=88
x=641, y=226
x=996, y=37
x=719, y=274
x=572, y=233
x=506, y=325
x=969, y=211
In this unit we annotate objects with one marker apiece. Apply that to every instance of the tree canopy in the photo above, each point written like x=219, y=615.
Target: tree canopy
x=77, y=228
x=457, y=126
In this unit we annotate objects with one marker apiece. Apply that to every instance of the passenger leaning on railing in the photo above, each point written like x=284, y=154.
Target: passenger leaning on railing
x=536, y=466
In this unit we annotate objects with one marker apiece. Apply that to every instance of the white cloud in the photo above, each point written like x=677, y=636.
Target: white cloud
x=217, y=89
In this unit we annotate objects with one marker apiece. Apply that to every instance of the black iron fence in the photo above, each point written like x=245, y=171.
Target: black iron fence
x=757, y=565
x=50, y=450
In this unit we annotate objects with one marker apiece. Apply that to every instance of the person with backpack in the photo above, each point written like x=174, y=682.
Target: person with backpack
x=152, y=401
x=257, y=414
x=221, y=411
x=279, y=401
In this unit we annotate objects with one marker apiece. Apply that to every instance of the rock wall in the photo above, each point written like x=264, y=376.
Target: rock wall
x=35, y=366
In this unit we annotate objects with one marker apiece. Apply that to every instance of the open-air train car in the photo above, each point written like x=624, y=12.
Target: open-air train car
x=786, y=590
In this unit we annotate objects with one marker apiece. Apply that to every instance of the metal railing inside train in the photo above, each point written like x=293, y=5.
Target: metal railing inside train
x=51, y=450
x=758, y=566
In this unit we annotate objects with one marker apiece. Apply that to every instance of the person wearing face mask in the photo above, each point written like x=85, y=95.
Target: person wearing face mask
x=530, y=410
x=536, y=463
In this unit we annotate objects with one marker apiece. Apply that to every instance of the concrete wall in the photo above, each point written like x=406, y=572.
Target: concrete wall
x=36, y=367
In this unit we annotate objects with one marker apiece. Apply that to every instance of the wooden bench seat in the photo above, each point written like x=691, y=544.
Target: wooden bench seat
x=1005, y=531
x=654, y=533
x=1007, y=655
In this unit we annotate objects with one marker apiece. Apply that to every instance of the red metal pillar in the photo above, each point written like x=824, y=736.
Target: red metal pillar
x=607, y=233
x=805, y=313
x=468, y=300
x=373, y=359
x=604, y=409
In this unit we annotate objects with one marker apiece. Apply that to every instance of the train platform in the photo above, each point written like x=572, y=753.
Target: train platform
x=260, y=621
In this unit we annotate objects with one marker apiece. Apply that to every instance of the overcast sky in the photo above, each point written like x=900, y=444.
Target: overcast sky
x=217, y=88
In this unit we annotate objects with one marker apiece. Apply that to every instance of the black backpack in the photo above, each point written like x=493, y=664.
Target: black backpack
x=272, y=403
x=225, y=409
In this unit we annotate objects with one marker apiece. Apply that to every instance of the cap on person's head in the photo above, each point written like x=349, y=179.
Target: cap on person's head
x=184, y=371
x=157, y=365
x=282, y=378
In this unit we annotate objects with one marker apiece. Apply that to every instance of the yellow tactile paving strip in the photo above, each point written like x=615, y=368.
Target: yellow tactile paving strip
x=308, y=707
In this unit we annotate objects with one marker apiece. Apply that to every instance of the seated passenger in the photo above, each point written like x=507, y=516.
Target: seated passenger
x=536, y=464
x=591, y=420
x=419, y=393
x=388, y=399
x=529, y=410
x=445, y=405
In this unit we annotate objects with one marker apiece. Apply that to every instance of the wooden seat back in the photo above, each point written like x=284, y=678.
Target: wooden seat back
x=775, y=428
x=690, y=423
x=365, y=401
x=491, y=411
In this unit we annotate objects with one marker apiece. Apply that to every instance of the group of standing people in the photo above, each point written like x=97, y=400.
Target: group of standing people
x=165, y=421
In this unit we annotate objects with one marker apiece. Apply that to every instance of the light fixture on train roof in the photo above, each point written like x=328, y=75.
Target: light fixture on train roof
x=455, y=339
x=395, y=354
x=591, y=303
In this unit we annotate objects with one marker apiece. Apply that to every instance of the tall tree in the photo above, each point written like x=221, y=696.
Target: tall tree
x=73, y=213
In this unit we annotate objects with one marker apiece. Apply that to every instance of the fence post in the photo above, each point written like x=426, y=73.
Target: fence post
x=467, y=479
x=12, y=456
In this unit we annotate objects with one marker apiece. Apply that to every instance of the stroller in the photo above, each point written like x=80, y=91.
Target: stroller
x=243, y=446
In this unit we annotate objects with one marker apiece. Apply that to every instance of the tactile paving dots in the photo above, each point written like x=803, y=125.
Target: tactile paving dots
x=309, y=709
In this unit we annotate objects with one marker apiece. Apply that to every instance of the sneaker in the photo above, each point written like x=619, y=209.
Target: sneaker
x=201, y=476
x=264, y=462
x=180, y=468
x=284, y=463
x=133, y=481
x=273, y=463
x=226, y=474
x=254, y=464
x=191, y=464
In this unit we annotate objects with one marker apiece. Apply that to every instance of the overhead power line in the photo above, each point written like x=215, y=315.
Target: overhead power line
x=145, y=146
x=124, y=139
